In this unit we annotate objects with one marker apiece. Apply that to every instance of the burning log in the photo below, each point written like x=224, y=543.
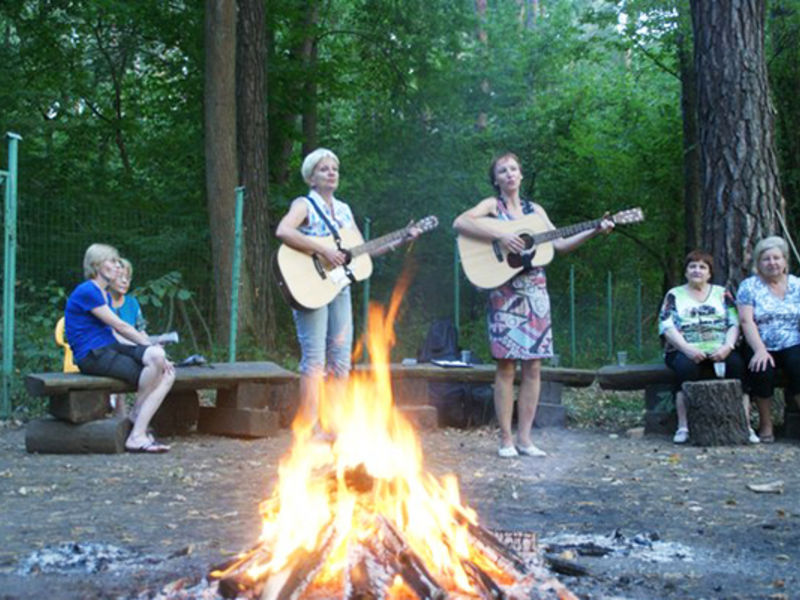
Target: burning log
x=367, y=578
x=408, y=565
x=300, y=571
x=483, y=582
x=232, y=574
x=492, y=547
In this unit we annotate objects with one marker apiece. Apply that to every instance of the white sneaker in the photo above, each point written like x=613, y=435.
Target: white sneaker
x=531, y=451
x=681, y=436
x=507, y=452
x=752, y=437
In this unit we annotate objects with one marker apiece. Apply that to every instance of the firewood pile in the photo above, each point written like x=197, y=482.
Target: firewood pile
x=380, y=563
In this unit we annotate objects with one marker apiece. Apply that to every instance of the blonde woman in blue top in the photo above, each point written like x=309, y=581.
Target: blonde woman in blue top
x=91, y=326
x=700, y=327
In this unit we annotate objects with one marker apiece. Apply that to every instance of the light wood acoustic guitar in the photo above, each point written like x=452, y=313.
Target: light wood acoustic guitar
x=308, y=281
x=487, y=265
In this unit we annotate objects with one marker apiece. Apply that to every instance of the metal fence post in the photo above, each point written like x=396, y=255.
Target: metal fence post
x=456, y=288
x=639, y=315
x=365, y=299
x=610, y=305
x=237, y=262
x=573, y=346
x=9, y=269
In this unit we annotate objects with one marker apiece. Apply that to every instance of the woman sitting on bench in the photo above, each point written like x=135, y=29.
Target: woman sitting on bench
x=91, y=326
x=700, y=327
x=769, y=311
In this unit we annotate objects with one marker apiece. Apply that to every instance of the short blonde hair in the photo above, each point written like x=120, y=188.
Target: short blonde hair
x=127, y=266
x=95, y=255
x=311, y=161
x=769, y=243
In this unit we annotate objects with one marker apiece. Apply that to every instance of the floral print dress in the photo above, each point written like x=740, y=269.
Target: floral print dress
x=519, y=310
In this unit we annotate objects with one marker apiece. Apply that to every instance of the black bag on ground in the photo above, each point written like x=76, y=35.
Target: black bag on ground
x=462, y=404
x=440, y=343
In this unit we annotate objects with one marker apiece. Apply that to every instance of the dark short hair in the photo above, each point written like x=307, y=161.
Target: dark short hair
x=496, y=160
x=700, y=256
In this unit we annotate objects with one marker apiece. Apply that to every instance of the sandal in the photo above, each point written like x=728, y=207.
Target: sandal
x=681, y=436
x=149, y=447
x=767, y=439
x=507, y=452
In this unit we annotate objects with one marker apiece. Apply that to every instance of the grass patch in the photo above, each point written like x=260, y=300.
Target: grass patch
x=592, y=407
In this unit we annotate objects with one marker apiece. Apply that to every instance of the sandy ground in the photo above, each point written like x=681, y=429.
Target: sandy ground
x=676, y=522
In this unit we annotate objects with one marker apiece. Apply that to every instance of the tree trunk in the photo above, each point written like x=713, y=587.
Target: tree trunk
x=220, y=148
x=692, y=204
x=481, y=7
x=739, y=169
x=257, y=312
x=308, y=54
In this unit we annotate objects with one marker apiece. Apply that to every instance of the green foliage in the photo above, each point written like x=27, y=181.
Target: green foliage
x=36, y=349
x=108, y=97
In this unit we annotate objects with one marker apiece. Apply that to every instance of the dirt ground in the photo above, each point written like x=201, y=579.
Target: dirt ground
x=676, y=522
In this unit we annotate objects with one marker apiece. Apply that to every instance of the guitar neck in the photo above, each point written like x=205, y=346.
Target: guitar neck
x=567, y=231
x=374, y=246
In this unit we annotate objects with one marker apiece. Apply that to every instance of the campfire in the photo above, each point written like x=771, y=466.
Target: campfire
x=355, y=515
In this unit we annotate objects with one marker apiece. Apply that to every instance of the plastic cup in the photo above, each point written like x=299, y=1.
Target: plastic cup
x=719, y=369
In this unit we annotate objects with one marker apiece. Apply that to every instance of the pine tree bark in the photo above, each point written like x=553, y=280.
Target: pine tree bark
x=739, y=169
x=220, y=148
x=257, y=310
x=693, y=222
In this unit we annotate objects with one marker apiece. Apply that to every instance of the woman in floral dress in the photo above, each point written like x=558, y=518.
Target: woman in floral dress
x=519, y=310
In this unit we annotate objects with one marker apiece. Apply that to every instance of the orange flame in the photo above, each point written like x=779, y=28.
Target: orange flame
x=371, y=437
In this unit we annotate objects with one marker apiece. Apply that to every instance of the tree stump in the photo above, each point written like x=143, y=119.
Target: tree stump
x=716, y=413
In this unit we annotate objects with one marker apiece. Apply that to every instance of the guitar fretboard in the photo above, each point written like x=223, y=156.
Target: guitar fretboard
x=567, y=231
x=373, y=246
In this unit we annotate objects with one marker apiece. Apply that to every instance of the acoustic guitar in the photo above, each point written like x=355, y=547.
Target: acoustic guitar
x=487, y=265
x=308, y=281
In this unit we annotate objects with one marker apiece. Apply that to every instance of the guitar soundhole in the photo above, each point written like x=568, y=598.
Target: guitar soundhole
x=516, y=261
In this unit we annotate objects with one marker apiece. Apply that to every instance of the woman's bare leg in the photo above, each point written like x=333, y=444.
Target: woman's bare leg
x=529, y=392
x=504, y=399
x=155, y=382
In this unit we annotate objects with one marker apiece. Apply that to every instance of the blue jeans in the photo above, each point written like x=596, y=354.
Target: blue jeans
x=326, y=337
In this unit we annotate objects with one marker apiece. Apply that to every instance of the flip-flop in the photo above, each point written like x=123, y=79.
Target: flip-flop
x=767, y=439
x=151, y=447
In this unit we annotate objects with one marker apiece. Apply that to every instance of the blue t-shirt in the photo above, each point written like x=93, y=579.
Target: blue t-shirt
x=84, y=331
x=130, y=312
x=777, y=320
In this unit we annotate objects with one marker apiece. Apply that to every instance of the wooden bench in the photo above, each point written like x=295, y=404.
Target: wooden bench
x=251, y=399
x=658, y=382
x=414, y=390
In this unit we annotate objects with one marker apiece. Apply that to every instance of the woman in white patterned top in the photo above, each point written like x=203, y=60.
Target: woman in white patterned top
x=700, y=326
x=769, y=312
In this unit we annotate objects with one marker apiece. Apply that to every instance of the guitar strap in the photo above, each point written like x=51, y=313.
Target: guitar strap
x=337, y=238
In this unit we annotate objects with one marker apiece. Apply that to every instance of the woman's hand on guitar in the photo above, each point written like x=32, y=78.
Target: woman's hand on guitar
x=335, y=257
x=512, y=242
x=606, y=225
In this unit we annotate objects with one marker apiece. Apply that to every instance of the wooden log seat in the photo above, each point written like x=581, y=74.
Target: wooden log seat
x=715, y=412
x=248, y=395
